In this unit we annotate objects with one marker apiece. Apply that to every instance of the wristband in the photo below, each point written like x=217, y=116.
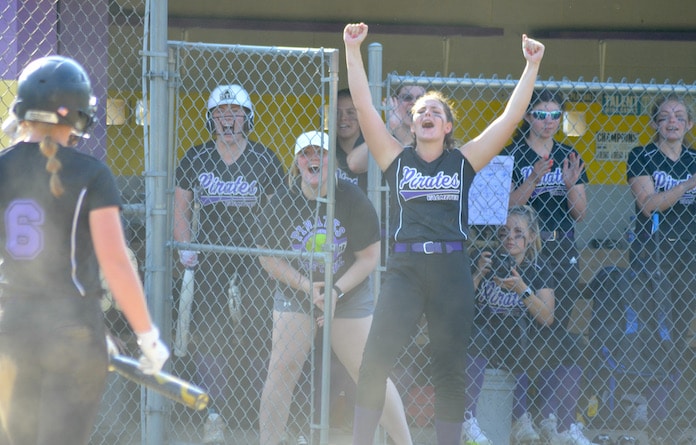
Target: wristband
x=526, y=294
x=339, y=292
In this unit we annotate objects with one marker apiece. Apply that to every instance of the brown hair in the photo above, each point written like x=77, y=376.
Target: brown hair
x=538, y=96
x=449, y=142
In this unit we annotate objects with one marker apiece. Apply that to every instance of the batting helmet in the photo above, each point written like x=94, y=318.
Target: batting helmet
x=230, y=95
x=56, y=90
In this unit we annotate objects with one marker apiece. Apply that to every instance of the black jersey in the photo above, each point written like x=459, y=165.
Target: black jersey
x=229, y=195
x=506, y=304
x=676, y=222
x=46, y=241
x=343, y=172
x=292, y=222
x=550, y=196
x=429, y=200
x=507, y=334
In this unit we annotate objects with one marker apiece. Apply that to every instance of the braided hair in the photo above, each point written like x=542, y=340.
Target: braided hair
x=49, y=148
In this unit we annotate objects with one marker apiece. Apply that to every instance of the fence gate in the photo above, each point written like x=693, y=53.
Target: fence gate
x=282, y=92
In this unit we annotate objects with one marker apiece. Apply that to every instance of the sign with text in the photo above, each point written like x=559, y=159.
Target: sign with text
x=621, y=104
x=490, y=192
x=614, y=145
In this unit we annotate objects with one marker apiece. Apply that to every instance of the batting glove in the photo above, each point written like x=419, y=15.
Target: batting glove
x=189, y=258
x=155, y=353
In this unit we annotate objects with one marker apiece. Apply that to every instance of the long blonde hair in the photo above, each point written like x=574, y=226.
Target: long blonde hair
x=19, y=130
x=530, y=216
x=49, y=148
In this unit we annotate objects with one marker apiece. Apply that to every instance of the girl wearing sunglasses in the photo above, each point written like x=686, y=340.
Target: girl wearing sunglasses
x=550, y=177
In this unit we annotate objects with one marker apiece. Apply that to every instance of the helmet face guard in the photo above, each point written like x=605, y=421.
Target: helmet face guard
x=230, y=95
x=56, y=90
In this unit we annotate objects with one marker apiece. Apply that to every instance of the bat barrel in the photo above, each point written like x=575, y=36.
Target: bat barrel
x=162, y=382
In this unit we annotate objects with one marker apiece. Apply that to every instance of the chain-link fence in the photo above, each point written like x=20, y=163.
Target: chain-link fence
x=619, y=360
x=621, y=282
x=233, y=102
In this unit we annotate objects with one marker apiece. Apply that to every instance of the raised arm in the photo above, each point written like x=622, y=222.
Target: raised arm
x=358, y=159
x=383, y=146
x=491, y=141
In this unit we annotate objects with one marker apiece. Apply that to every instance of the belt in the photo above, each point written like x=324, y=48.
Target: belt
x=429, y=247
x=555, y=235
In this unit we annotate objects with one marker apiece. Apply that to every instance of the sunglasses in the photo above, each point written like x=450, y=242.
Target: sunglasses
x=409, y=97
x=541, y=115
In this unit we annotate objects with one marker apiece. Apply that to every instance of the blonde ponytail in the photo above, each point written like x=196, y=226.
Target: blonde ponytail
x=49, y=148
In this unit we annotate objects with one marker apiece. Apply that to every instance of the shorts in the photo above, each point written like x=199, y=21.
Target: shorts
x=358, y=303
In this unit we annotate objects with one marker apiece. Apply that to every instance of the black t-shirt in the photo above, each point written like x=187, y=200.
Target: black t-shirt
x=506, y=333
x=504, y=304
x=342, y=170
x=46, y=241
x=292, y=222
x=229, y=195
x=677, y=221
x=550, y=196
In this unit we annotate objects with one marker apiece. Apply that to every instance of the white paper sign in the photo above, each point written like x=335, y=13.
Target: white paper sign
x=614, y=145
x=489, y=194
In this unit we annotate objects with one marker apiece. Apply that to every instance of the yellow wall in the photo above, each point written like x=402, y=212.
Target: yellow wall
x=279, y=119
x=8, y=90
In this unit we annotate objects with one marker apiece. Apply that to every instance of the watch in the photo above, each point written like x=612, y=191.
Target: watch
x=526, y=294
x=339, y=292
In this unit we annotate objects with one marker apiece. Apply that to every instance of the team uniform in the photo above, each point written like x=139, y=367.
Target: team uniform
x=51, y=323
x=292, y=222
x=506, y=336
x=343, y=172
x=428, y=273
x=505, y=332
x=667, y=240
x=230, y=197
x=550, y=200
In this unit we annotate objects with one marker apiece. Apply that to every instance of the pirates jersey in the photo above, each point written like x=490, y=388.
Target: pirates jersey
x=429, y=200
x=47, y=241
x=229, y=195
x=676, y=222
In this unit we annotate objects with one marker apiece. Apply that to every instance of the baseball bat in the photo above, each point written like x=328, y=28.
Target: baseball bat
x=183, y=320
x=181, y=336
x=166, y=384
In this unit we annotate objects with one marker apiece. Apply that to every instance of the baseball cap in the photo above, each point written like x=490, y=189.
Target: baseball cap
x=312, y=138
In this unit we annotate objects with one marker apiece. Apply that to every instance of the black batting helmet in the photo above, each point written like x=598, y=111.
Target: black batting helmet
x=56, y=90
